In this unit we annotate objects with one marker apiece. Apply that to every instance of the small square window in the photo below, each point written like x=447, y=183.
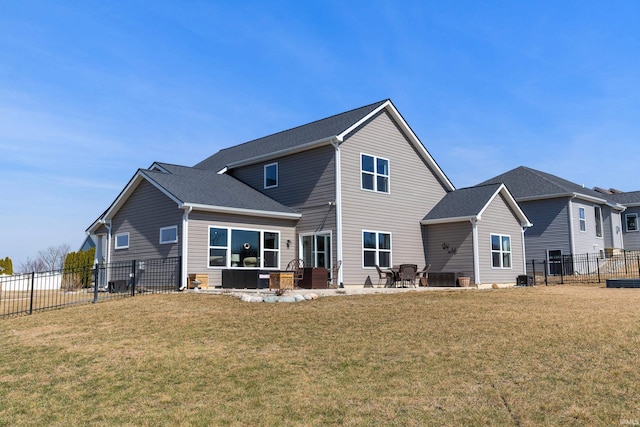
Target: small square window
x=631, y=221
x=122, y=241
x=169, y=235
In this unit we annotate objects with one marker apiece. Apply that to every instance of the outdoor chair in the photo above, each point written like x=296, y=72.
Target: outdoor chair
x=408, y=274
x=385, y=277
x=423, y=276
x=297, y=267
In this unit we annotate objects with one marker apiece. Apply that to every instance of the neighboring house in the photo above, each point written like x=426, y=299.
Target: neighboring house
x=567, y=218
x=479, y=227
x=630, y=224
x=351, y=189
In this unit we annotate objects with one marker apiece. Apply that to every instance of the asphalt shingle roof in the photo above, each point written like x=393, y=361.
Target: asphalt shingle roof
x=524, y=182
x=205, y=187
x=463, y=202
x=628, y=198
x=288, y=139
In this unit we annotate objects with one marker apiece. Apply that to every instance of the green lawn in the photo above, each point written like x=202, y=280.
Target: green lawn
x=562, y=355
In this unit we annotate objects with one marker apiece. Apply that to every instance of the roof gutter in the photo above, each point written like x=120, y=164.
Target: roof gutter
x=242, y=211
x=276, y=154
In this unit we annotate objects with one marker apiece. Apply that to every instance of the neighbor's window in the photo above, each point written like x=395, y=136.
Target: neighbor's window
x=243, y=248
x=376, y=249
x=598, y=212
x=271, y=175
x=375, y=173
x=500, y=251
x=169, y=234
x=631, y=221
x=122, y=241
x=583, y=219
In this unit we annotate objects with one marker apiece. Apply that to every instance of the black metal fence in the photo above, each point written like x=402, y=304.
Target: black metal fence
x=33, y=292
x=584, y=268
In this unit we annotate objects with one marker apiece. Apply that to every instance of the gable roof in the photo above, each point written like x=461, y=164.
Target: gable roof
x=631, y=198
x=466, y=204
x=200, y=189
x=330, y=130
x=529, y=184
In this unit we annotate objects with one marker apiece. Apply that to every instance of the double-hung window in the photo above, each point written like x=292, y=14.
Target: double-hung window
x=598, y=213
x=271, y=175
x=239, y=248
x=500, y=251
x=583, y=219
x=631, y=221
x=376, y=249
x=375, y=173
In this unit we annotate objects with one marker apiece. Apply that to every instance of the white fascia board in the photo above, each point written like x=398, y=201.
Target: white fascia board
x=129, y=189
x=413, y=138
x=590, y=198
x=449, y=220
x=156, y=166
x=545, y=197
x=242, y=211
x=281, y=153
x=524, y=221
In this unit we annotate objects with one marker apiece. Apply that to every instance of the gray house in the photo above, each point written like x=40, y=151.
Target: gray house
x=567, y=218
x=630, y=224
x=352, y=189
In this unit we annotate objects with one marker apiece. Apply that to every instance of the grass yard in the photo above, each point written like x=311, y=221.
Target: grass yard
x=562, y=355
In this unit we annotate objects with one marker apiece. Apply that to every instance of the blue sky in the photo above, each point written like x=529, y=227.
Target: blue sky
x=90, y=91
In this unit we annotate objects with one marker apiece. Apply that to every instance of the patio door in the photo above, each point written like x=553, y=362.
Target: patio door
x=316, y=250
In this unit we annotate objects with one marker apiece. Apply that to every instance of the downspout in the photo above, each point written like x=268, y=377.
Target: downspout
x=107, y=224
x=476, y=254
x=572, y=242
x=338, y=185
x=524, y=253
x=185, y=245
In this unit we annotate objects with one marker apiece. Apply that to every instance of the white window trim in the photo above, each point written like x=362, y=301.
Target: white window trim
x=626, y=223
x=228, y=248
x=377, y=249
x=501, y=251
x=277, y=175
x=582, y=219
x=375, y=174
x=166, y=242
x=115, y=241
x=595, y=209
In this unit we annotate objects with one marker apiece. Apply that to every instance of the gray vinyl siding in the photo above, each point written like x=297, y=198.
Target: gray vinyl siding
x=143, y=228
x=198, y=235
x=631, y=238
x=450, y=248
x=498, y=218
x=414, y=190
x=306, y=183
x=550, y=229
x=586, y=241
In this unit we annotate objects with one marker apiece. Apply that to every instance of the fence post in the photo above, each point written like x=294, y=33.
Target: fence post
x=546, y=278
x=562, y=257
x=638, y=260
x=96, y=275
x=132, y=275
x=598, y=265
x=33, y=281
x=626, y=270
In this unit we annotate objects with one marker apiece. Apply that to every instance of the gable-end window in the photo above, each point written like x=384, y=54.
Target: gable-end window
x=169, y=235
x=583, y=219
x=376, y=249
x=122, y=241
x=598, y=212
x=631, y=221
x=375, y=173
x=271, y=175
x=500, y=251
